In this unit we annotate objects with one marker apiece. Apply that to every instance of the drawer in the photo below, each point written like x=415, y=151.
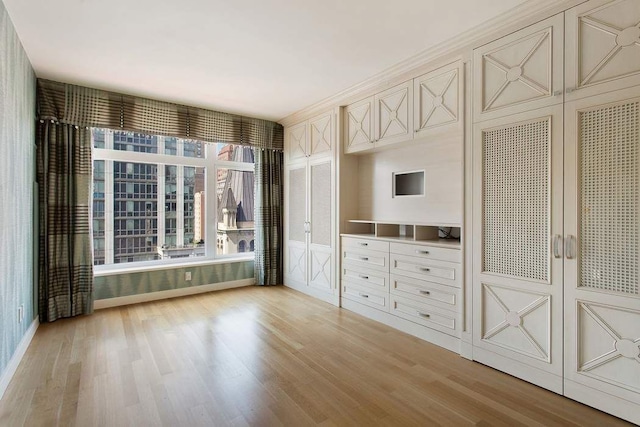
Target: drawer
x=366, y=277
x=426, y=252
x=446, y=297
x=426, y=315
x=368, y=259
x=365, y=296
x=442, y=272
x=371, y=244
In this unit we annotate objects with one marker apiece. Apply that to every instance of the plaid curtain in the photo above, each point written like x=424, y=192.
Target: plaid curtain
x=65, y=285
x=268, y=216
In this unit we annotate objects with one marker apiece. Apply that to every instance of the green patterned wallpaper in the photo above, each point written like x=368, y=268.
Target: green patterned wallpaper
x=17, y=176
x=120, y=285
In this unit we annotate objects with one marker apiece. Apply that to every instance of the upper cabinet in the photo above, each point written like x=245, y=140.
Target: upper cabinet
x=358, y=122
x=429, y=104
x=602, y=47
x=311, y=138
x=520, y=72
x=438, y=99
x=393, y=116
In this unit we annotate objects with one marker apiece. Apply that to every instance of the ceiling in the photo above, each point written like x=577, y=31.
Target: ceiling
x=260, y=58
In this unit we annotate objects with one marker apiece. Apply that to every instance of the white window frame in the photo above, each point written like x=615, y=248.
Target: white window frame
x=211, y=164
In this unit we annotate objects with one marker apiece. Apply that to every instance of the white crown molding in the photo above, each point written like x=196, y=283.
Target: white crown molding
x=526, y=14
x=15, y=360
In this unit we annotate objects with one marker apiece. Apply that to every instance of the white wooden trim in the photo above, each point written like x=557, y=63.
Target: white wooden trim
x=171, y=293
x=331, y=298
x=526, y=14
x=12, y=367
x=605, y=402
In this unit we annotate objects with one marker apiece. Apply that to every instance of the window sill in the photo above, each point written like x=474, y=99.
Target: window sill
x=112, y=270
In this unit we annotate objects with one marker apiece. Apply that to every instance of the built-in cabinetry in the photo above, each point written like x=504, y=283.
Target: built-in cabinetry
x=556, y=178
x=310, y=207
x=412, y=278
x=552, y=173
x=392, y=116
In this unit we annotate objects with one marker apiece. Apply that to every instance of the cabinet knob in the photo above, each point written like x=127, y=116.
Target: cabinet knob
x=419, y=252
x=425, y=292
x=426, y=270
x=364, y=277
x=364, y=258
x=364, y=295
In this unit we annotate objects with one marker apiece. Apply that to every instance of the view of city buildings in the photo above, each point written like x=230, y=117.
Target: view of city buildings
x=145, y=211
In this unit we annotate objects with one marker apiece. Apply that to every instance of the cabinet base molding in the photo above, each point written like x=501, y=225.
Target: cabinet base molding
x=466, y=350
x=603, y=401
x=438, y=338
x=519, y=370
x=321, y=295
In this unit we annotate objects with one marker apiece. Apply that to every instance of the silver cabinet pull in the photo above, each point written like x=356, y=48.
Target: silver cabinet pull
x=424, y=315
x=425, y=269
x=364, y=277
x=557, y=252
x=425, y=292
x=570, y=246
x=363, y=244
x=364, y=295
x=421, y=252
x=364, y=258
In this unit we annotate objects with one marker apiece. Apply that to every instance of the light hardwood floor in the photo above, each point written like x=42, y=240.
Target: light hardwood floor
x=261, y=356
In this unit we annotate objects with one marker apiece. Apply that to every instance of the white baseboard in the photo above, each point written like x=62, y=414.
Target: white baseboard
x=12, y=367
x=171, y=293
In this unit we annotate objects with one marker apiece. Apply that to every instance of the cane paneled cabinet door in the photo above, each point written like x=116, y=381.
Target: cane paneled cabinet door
x=517, y=276
x=602, y=252
x=521, y=71
x=321, y=225
x=296, y=250
x=438, y=100
x=602, y=47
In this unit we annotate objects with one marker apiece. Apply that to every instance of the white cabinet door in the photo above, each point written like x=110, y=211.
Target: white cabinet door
x=602, y=47
x=393, y=116
x=602, y=252
x=520, y=72
x=358, y=122
x=438, y=100
x=321, y=134
x=517, y=274
x=321, y=225
x=296, y=224
x=297, y=145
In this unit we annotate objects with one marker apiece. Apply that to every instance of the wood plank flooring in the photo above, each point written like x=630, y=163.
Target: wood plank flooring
x=266, y=357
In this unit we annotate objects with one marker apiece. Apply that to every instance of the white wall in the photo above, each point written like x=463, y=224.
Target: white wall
x=441, y=158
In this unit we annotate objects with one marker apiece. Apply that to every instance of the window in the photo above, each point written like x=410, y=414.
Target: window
x=151, y=204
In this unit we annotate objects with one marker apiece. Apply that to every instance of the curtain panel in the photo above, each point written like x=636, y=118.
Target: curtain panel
x=65, y=287
x=87, y=107
x=268, y=217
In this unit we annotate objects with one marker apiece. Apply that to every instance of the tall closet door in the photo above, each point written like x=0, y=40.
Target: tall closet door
x=320, y=225
x=517, y=277
x=297, y=225
x=602, y=252
x=602, y=47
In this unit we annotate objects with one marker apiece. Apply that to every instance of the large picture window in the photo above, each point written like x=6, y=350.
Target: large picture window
x=157, y=199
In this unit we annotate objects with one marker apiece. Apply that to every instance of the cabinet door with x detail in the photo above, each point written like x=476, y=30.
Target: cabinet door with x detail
x=520, y=72
x=393, y=115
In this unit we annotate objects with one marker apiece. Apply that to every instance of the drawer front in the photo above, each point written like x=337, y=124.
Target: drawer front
x=366, y=277
x=446, y=297
x=442, y=272
x=370, y=244
x=365, y=296
x=365, y=258
x=426, y=252
x=426, y=315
